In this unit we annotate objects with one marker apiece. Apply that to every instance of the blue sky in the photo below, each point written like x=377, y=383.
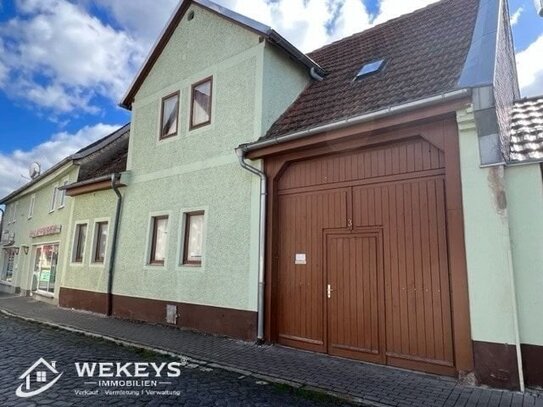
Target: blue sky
x=64, y=65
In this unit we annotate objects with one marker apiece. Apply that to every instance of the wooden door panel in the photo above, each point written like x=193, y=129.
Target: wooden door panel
x=355, y=313
x=373, y=223
x=300, y=287
x=416, y=271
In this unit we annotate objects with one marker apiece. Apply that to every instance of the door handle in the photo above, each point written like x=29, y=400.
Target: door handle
x=329, y=291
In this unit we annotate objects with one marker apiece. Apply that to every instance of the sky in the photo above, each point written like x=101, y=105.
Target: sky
x=65, y=64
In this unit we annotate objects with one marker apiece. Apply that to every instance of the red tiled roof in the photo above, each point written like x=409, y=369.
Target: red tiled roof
x=425, y=52
x=527, y=130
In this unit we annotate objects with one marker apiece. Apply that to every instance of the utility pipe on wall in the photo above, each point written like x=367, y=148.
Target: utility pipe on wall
x=262, y=239
x=109, y=300
x=2, y=222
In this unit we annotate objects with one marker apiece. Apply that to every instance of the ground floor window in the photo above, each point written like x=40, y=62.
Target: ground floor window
x=100, y=242
x=8, y=266
x=159, y=239
x=193, y=239
x=45, y=268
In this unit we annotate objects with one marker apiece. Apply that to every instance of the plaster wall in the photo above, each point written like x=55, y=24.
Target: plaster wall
x=42, y=216
x=525, y=197
x=487, y=241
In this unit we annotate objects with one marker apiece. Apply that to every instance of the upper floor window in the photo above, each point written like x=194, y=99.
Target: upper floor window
x=53, y=199
x=200, y=114
x=169, y=116
x=159, y=239
x=31, y=207
x=79, y=243
x=62, y=197
x=14, y=212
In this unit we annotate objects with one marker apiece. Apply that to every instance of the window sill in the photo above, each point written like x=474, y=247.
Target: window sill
x=77, y=264
x=97, y=265
x=187, y=268
x=154, y=267
x=191, y=265
x=6, y=283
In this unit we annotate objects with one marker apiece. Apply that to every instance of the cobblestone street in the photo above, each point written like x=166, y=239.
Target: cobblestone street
x=24, y=343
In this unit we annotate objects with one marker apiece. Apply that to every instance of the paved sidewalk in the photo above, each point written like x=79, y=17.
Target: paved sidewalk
x=355, y=381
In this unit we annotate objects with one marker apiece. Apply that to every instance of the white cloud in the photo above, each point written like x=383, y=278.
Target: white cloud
x=516, y=16
x=394, y=8
x=14, y=165
x=59, y=57
x=139, y=17
x=530, y=69
x=308, y=24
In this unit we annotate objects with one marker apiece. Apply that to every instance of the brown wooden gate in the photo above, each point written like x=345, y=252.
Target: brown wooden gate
x=362, y=257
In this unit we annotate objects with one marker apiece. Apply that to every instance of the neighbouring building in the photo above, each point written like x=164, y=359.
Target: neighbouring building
x=96, y=208
x=37, y=238
x=383, y=202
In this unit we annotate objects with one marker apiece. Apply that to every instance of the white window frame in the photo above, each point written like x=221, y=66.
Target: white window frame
x=7, y=215
x=32, y=206
x=92, y=261
x=149, y=241
x=181, y=240
x=3, y=268
x=73, y=263
x=14, y=212
x=53, y=204
x=163, y=140
x=62, y=196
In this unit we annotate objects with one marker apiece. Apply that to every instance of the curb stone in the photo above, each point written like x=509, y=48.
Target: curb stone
x=187, y=360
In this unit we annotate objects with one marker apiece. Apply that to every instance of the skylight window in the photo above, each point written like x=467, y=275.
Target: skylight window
x=370, y=68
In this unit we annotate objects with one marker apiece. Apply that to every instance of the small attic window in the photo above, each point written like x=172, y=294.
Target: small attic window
x=369, y=68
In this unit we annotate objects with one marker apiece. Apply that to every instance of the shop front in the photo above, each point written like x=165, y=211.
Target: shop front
x=45, y=269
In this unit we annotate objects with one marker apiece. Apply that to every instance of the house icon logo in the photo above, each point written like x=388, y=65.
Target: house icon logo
x=39, y=377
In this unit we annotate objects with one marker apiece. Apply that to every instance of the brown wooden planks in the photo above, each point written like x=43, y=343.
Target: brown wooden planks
x=401, y=316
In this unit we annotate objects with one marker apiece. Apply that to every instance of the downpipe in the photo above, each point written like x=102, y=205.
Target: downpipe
x=109, y=301
x=2, y=222
x=261, y=242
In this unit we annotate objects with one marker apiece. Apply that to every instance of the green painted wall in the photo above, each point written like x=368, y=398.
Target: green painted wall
x=525, y=196
x=487, y=241
x=198, y=170
x=504, y=244
x=281, y=85
x=90, y=209
x=42, y=217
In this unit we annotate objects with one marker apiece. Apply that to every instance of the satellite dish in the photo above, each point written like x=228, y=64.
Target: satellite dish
x=35, y=170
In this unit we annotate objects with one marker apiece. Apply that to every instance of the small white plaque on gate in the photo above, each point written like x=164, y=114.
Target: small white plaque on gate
x=300, y=258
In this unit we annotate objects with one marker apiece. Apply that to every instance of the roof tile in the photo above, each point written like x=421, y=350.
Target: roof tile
x=527, y=130
x=424, y=54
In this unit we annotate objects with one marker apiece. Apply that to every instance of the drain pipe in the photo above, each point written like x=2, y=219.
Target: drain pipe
x=262, y=239
x=114, y=186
